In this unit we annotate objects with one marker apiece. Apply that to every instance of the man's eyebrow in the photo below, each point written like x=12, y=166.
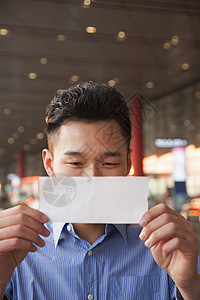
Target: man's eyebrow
x=73, y=153
x=112, y=154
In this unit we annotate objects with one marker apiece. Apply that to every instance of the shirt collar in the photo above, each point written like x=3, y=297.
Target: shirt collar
x=58, y=227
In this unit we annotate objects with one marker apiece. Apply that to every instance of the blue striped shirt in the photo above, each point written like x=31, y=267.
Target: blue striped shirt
x=116, y=266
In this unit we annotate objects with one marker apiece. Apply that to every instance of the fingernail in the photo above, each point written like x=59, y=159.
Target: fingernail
x=147, y=243
x=142, y=222
x=45, y=218
x=142, y=236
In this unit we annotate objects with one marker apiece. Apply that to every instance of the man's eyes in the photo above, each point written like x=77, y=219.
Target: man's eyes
x=76, y=163
x=80, y=164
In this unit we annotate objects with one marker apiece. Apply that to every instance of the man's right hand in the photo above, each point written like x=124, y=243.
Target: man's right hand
x=20, y=227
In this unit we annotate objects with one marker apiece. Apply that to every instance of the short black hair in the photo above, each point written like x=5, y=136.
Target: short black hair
x=88, y=102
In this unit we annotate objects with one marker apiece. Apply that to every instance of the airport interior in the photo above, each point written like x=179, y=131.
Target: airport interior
x=149, y=50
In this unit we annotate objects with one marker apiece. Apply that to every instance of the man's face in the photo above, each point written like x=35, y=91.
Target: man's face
x=82, y=149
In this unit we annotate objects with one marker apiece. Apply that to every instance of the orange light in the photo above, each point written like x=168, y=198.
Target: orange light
x=29, y=200
x=196, y=213
x=131, y=172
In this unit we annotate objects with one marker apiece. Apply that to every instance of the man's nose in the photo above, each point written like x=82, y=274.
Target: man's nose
x=93, y=170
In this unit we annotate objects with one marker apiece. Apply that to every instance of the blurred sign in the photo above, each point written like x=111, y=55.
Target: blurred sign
x=170, y=143
x=179, y=173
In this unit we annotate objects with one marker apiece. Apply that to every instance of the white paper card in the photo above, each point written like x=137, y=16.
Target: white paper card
x=94, y=199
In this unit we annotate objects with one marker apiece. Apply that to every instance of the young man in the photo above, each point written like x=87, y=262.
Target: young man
x=95, y=261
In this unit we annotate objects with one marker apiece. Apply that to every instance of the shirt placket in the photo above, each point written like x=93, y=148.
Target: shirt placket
x=90, y=275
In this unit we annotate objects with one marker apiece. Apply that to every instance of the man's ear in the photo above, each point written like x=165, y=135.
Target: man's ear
x=129, y=161
x=47, y=161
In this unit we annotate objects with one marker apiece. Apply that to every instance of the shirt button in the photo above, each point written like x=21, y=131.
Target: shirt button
x=90, y=297
x=89, y=252
x=69, y=228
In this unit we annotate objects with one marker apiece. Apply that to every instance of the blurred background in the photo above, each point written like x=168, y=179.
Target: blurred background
x=149, y=50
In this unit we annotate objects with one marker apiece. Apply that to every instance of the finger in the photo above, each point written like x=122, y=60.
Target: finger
x=23, y=209
x=156, y=211
x=22, y=232
x=25, y=220
x=177, y=244
x=16, y=244
x=166, y=232
x=160, y=221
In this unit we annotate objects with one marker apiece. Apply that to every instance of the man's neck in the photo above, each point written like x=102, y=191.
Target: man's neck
x=89, y=232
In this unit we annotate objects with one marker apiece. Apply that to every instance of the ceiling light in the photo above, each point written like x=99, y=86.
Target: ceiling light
x=32, y=75
x=21, y=129
x=91, y=29
x=40, y=135
x=121, y=36
x=149, y=84
x=33, y=141
x=87, y=2
x=191, y=127
x=166, y=45
x=11, y=140
x=26, y=147
x=175, y=40
x=6, y=111
x=61, y=37
x=59, y=91
x=197, y=94
x=111, y=82
x=187, y=122
x=74, y=78
x=4, y=31
x=185, y=66
x=2, y=151
x=43, y=60
x=15, y=135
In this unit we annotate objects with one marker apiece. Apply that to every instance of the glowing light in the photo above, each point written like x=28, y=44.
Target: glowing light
x=91, y=29
x=87, y=2
x=61, y=37
x=40, y=135
x=112, y=82
x=175, y=40
x=4, y=31
x=33, y=141
x=43, y=60
x=149, y=84
x=11, y=140
x=185, y=66
x=131, y=172
x=167, y=45
x=6, y=111
x=74, y=78
x=158, y=164
x=29, y=200
x=21, y=129
x=59, y=91
x=26, y=147
x=32, y=75
x=15, y=135
x=187, y=122
x=197, y=94
x=121, y=36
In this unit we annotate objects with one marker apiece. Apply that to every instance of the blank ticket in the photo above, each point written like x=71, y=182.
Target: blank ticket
x=94, y=199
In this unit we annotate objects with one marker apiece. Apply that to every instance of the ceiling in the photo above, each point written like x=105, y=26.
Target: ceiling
x=140, y=62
